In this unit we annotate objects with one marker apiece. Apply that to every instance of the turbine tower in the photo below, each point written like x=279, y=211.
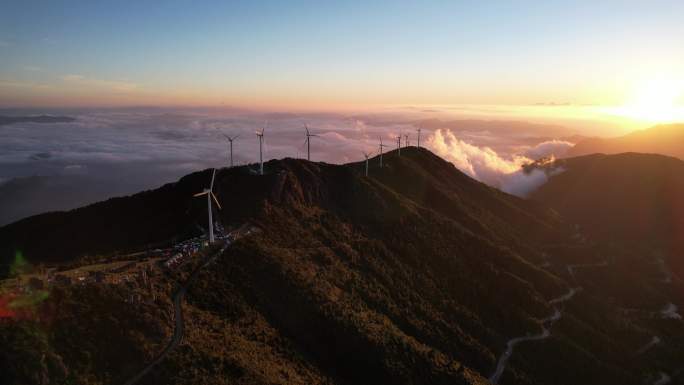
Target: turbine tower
x=399, y=144
x=230, y=140
x=260, y=135
x=308, y=142
x=381, y=147
x=418, y=136
x=210, y=195
x=407, y=140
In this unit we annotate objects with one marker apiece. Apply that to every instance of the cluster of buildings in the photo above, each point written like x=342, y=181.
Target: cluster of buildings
x=182, y=251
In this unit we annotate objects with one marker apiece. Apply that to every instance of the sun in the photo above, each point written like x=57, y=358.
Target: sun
x=657, y=100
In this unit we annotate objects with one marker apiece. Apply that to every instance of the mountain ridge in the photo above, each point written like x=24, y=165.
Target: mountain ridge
x=417, y=274
x=628, y=198
x=664, y=139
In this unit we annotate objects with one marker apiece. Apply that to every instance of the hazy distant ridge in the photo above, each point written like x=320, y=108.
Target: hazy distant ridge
x=665, y=139
x=4, y=120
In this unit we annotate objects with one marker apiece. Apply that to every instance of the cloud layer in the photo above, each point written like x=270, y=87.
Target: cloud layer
x=143, y=148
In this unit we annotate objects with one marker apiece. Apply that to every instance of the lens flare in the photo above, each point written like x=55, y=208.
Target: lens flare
x=21, y=302
x=20, y=265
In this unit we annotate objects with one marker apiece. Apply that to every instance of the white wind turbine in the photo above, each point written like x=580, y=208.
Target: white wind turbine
x=381, y=147
x=399, y=144
x=260, y=135
x=210, y=195
x=230, y=140
x=308, y=142
x=418, y=130
x=406, y=142
x=367, y=155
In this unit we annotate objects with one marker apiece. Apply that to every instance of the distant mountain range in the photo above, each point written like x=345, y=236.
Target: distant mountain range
x=417, y=274
x=630, y=198
x=667, y=139
x=4, y=120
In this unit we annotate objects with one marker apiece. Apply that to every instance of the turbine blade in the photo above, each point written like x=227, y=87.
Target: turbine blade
x=216, y=200
x=200, y=194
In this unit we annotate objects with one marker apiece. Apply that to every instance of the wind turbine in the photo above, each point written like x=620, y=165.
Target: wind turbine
x=210, y=195
x=407, y=140
x=399, y=144
x=260, y=135
x=418, y=136
x=230, y=140
x=381, y=147
x=367, y=155
x=308, y=142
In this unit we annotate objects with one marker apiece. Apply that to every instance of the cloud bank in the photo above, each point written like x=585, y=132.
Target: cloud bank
x=488, y=166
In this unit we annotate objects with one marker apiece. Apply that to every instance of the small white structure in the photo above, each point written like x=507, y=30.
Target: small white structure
x=399, y=145
x=418, y=130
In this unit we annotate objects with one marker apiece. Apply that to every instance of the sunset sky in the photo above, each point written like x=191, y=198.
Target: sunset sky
x=317, y=55
x=152, y=86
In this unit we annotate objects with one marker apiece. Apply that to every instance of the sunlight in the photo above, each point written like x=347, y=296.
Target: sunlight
x=656, y=100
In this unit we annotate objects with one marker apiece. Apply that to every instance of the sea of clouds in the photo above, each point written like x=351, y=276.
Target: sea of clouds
x=142, y=148
x=163, y=144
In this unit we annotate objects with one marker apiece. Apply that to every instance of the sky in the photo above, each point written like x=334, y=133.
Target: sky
x=332, y=55
x=153, y=85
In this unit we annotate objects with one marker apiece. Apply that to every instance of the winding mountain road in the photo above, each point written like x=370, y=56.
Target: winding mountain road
x=670, y=311
x=177, y=336
x=545, y=333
